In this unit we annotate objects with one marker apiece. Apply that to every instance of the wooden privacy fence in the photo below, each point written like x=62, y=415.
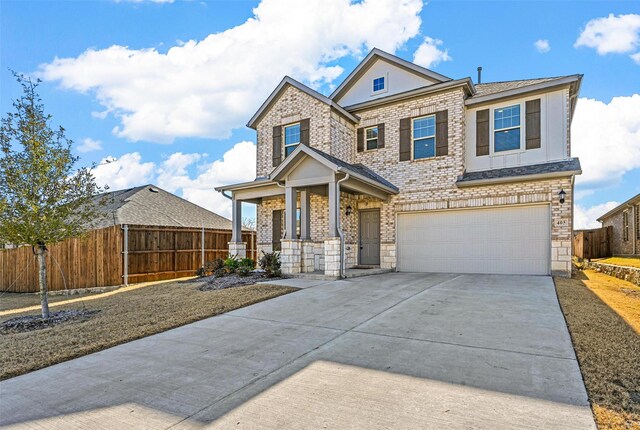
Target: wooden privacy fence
x=98, y=259
x=595, y=243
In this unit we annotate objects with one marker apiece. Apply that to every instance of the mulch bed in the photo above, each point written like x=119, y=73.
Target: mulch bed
x=36, y=322
x=212, y=283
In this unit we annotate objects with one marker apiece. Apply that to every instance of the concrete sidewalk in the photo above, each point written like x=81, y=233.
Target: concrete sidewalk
x=390, y=351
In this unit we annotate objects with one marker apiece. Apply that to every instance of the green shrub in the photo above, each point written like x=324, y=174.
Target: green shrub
x=270, y=263
x=210, y=267
x=243, y=270
x=248, y=262
x=231, y=263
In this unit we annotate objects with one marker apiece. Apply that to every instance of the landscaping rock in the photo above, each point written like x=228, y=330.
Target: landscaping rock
x=36, y=322
x=233, y=280
x=630, y=274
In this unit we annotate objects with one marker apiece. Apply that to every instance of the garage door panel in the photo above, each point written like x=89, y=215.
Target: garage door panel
x=497, y=240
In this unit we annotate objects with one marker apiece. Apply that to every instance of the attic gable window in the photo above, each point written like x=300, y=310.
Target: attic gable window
x=291, y=138
x=378, y=84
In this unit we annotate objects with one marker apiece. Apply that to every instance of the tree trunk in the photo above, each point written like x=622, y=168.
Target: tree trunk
x=42, y=278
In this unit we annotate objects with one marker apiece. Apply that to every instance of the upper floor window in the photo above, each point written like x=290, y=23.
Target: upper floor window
x=506, y=128
x=378, y=84
x=424, y=137
x=371, y=138
x=291, y=138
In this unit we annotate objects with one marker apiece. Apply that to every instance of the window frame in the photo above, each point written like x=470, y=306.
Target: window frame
x=413, y=139
x=492, y=129
x=637, y=221
x=385, y=89
x=366, y=141
x=284, y=138
x=625, y=226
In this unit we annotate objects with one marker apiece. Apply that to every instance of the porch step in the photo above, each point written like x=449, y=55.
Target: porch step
x=355, y=272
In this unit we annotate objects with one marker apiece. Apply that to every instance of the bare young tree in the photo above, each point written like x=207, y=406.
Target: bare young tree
x=43, y=200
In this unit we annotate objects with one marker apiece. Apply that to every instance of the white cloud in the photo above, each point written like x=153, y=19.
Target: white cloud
x=613, y=34
x=89, y=145
x=585, y=218
x=635, y=57
x=124, y=172
x=207, y=88
x=429, y=55
x=606, y=137
x=238, y=164
x=542, y=46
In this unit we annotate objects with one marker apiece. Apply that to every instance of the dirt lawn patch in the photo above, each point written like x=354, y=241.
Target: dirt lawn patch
x=22, y=300
x=122, y=318
x=603, y=316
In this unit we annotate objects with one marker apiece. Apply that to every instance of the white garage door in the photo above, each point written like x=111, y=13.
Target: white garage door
x=510, y=240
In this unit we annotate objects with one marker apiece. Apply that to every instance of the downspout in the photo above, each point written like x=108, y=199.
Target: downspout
x=342, y=245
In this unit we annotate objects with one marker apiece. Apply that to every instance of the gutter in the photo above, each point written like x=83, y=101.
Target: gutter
x=507, y=179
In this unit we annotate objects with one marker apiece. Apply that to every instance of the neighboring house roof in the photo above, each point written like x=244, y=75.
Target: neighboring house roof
x=376, y=54
x=288, y=81
x=150, y=205
x=633, y=200
x=532, y=172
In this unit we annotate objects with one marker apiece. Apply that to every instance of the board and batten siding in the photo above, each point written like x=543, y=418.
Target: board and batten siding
x=553, y=134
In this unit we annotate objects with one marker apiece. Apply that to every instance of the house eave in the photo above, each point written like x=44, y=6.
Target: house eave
x=245, y=185
x=543, y=86
x=253, y=122
x=633, y=200
x=520, y=178
x=465, y=83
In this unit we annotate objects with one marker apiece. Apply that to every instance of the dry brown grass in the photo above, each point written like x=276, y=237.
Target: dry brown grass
x=23, y=300
x=607, y=347
x=622, y=261
x=122, y=318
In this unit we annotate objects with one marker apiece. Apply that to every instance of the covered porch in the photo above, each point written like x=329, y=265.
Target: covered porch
x=314, y=209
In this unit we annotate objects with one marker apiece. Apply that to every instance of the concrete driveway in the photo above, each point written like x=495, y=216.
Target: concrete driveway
x=403, y=350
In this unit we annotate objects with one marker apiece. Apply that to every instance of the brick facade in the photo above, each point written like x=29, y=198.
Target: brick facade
x=620, y=246
x=424, y=185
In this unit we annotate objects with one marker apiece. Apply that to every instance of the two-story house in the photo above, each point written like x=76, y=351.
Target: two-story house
x=407, y=169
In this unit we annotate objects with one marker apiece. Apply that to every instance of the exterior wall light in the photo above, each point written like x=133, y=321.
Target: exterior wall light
x=348, y=211
x=562, y=194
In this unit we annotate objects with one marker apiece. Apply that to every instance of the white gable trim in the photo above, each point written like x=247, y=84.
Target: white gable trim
x=290, y=81
x=379, y=54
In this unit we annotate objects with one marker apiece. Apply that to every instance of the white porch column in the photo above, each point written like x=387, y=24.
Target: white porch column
x=290, y=203
x=333, y=209
x=305, y=214
x=236, y=220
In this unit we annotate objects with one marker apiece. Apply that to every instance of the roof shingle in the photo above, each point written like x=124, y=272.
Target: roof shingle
x=572, y=165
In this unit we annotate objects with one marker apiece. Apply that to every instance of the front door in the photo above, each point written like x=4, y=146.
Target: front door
x=276, y=229
x=370, y=237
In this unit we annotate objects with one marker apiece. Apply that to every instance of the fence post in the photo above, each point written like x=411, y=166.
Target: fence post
x=125, y=254
x=202, y=247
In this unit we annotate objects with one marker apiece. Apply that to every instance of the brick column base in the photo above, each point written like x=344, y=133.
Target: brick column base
x=332, y=257
x=238, y=248
x=290, y=256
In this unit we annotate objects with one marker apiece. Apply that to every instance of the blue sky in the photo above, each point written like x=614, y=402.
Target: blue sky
x=129, y=85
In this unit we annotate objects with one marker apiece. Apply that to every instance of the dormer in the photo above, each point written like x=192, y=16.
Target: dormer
x=381, y=75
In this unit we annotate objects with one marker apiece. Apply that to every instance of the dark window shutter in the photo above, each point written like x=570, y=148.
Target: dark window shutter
x=482, y=132
x=442, y=133
x=381, y=135
x=277, y=145
x=532, y=109
x=304, y=131
x=360, y=138
x=405, y=139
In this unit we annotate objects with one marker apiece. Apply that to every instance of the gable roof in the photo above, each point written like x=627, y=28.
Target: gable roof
x=289, y=81
x=150, y=205
x=377, y=54
x=633, y=200
x=358, y=171
x=496, y=90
